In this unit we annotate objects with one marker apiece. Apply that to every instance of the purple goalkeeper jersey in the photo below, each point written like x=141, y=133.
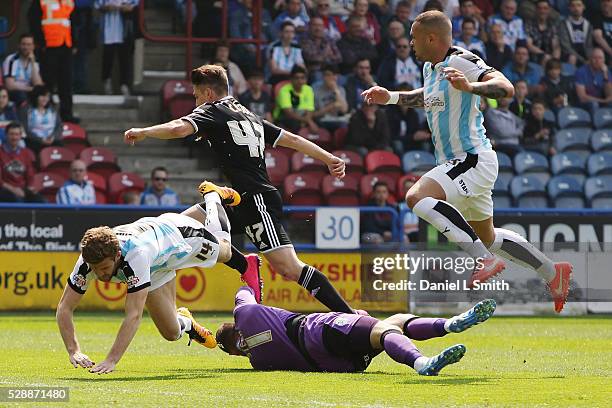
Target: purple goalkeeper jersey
x=265, y=341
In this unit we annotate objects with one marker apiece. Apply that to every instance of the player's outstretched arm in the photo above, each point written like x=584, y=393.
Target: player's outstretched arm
x=334, y=164
x=134, y=305
x=174, y=129
x=382, y=96
x=493, y=85
x=65, y=310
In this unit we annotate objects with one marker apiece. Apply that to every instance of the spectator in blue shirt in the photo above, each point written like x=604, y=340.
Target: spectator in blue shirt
x=77, y=190
x=594, y=82
x=512, y=25
x=295, y=13
x=469, y=40
x=467, y=9
x=157, y=193
x=521, y=69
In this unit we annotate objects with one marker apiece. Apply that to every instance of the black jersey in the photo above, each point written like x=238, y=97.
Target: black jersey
x=238, y=137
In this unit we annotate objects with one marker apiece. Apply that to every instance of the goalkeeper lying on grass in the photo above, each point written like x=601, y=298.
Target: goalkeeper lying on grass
x=276, y=339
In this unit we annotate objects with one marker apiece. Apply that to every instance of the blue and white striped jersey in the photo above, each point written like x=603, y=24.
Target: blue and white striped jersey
x=454, y=116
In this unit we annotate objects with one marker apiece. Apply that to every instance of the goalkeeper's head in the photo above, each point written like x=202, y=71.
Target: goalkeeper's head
x=229, y=339
x=100, y=249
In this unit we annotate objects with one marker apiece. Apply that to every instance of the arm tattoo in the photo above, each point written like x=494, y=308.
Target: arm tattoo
x=489, y=89
x=413, y=99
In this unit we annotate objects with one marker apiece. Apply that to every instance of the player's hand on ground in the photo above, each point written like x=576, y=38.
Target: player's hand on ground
x=133, y=135
x=376, y=94
x=80, y=359
x=457, y=79
x=104, y=367
x=336, y=167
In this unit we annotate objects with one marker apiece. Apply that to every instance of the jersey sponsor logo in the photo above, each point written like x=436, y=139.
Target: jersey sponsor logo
x=258, y=339
x=435, y=102
x=463, y=186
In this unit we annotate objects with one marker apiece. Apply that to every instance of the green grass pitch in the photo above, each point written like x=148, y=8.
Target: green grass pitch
x=544, y=362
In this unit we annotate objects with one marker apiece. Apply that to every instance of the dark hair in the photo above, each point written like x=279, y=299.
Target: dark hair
x=521, y=46
x=285, y=24
x=379, y=184
x=462, y=2
x=256, y=73
x=225, y=337
x=99, y=243
x=212, y=76
x=222, y=43
x=330, y=67
x=158, y=168
x=37, y=91
x=468, y=20
x=433, y=5
x=552, y=64
x=539, y=101
x=298, y=69
x=403, y=3
x=12, y=125
x=26, y=35
x=3, y=88
x=542, y=1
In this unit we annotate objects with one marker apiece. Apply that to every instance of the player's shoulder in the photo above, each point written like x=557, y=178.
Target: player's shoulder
x=459, y=53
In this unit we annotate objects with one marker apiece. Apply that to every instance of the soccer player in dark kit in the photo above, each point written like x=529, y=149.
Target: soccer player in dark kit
x=277, y=339
x=238, y=137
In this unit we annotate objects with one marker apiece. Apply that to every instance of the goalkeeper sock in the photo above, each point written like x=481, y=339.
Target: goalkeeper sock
x=423, y=328
x=319, y=286
x=237, y=261
x=184, y=323
x=400, y=348
x=515, y=248
x=449, y=221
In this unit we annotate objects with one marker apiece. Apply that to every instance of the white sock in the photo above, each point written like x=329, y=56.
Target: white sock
x=448, y=322
x=448, y=220
x=217, y=222
x=420, y=362
x=184, y=324
x=517, y=249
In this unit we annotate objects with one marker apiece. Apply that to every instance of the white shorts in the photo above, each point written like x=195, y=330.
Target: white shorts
x=468, y=182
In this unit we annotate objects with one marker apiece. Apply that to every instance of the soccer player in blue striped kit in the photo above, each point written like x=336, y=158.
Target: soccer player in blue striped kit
x=455, y=196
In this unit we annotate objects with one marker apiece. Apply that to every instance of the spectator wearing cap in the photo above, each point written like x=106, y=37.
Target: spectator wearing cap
x=512, y=25
x=76, y=190
x=158, y=193
x=21, y=71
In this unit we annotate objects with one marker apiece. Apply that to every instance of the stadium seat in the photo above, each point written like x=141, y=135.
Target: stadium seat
x=74, y=138
x=502, y=201
x=505, y=162
x=565, y=192
x=573, y=139
x=598, y=192
x=123, y=182
x=502, y=183
x=528, y=192
x=602, y=118
x=567, y=163
x=600, y=163
x=100, y=160
x=277, y=165
x=418, y=162
x=601, y=140
x=353, y=161
x=302, y=189
x=550, y=116
x=501, y=191
x=340, y=137
x=180, y=106
x=322, y=138
x=47, y=185
x=401, y=190
x=382, y=161
x=533, y=163
x=341, y=192
x=301, y=163
x=571, y=117
x=367, y=182
x=99, y=184
x=56, y=159
x=174, y=88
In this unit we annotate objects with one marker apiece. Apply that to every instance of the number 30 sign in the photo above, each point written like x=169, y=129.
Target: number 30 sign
x=337, y=228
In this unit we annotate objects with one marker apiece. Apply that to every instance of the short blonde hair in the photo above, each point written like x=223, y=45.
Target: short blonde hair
x=99, y=243
x=434, y=20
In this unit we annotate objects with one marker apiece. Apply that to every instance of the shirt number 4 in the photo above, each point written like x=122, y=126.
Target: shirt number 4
x=250, y=134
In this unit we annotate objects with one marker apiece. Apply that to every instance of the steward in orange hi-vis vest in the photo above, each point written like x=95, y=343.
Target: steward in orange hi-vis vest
x=55, y=22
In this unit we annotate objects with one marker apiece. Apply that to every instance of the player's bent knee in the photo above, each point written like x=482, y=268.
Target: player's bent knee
x=378, y=332
x=170, y=335
x=412, y=198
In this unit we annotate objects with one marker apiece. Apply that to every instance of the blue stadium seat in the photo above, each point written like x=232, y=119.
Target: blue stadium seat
x=567, y=69
x=502, y=201
x=598, y=191
x=602, y=118
x=573, y=139
x=534, y=163
x=567, y=162
x=503, y=181
x=501, y=191
x=505, y=162
x=418, y=161
x=565, y=192
x=580, y=178
x=571, y=117
x=600, y=163
x=550, y=116
x=528, y=192
x=601, y=139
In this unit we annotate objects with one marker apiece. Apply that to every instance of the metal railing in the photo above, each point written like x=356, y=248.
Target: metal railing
x=189, y=39
x=14, y=19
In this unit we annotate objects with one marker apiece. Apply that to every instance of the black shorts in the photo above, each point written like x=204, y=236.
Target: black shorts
x=354, y=346
x=259, y=216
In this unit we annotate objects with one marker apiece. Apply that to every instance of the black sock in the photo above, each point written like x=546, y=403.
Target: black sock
x=319, y=286
x=237, y=261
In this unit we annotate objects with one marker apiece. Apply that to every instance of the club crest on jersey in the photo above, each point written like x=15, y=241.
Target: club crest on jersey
x=79, y=280
x=132, y=281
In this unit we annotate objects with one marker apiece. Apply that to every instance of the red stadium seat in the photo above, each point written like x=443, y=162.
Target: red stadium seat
x=74, y=138
x=100, y=160
x=322, y=138
x=181, y=106
x=285, y=151
x=55, y=159
x=302, y=189
x=354, y=162
x=301, y=163
x=99, y=184
x=367, y=183
x=382, y=161
x=277, y=165
x=340, y=137
x=47, y=185
x=341, y=192
x=123, y=182
x=401, y=190
x=174, y=88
